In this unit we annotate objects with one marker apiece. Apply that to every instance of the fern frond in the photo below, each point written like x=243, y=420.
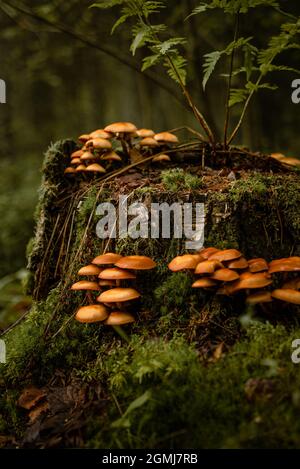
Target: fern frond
x=209, y=65
x=177, y=70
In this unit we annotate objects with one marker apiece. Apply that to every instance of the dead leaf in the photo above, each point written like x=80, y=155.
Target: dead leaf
x=30, y=397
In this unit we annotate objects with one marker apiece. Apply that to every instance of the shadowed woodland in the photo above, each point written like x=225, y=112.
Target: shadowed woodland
x=68, y=384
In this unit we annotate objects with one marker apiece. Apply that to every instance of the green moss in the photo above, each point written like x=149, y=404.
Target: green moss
x=171, y=400
x=177, y=179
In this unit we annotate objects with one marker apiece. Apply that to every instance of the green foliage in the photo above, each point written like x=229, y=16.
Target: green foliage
x=145, y=34
x=178, y=179
x=233, y=6
x=249, y=65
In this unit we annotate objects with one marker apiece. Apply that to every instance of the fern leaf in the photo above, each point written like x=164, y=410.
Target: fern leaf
x=105, y=4
x=150, y=61
x=177, y=70
x=238, y=96
x=209, y=65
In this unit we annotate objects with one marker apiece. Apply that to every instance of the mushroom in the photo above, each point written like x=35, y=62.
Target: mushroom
x=250, y=281
x=95, y=168
x=100, y=133
x=123, y=131
x=85, y=285
x=161, y=159
x=204, y=283
x=108, y=258
x=91, y=313
x=225, y=275
x=90, y=269
x=258, y=265
x=277, y=156
x=87, y=156
x=117, y=274
x=136, y=263
x=148, y=142
x=99, y=144
x=144, y=133
x=84, y=138
x=284, y=265
x=166, y=137
x=111, y=156
x=290, y=161
x=207, y=252
x=118, y=295
x=238, y=264
x=186, y=261
x=80, y=168
x=208, y=266
x=75, y=161
x=287, y=295
x=69, y=171
x=77, y=154
x=262, y=296
x=119, y=318
x=226, y=255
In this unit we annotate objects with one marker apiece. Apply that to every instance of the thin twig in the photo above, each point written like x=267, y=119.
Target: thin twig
x=236, y=32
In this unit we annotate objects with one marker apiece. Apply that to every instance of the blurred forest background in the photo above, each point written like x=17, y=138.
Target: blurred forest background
x=66, y=75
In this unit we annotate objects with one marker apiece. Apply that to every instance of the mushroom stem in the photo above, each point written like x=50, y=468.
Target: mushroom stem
x=89, y=297
x=121, y=333
x=124, y=146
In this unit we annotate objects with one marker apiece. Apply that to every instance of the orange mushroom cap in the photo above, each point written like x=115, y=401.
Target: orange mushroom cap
x=287, y=295
x=250, y=281
x=238, y=264
x=204, y=282
x=115, y=273
x=207, y=252
x=107, y=258
x=148, y=142
x=226, y=255
x=89, y=270
x=262, y=296
x=136, y=263
x=121, y=128
x=95, y=168
x=118, y=295
x=166, y=137
x=208, y=266
x=100, y=133
x=186, y=261
x=91, y=313
x=119, y=318
x=225, y=275
x=144, y=133
x=85, y=285
x=258, y=265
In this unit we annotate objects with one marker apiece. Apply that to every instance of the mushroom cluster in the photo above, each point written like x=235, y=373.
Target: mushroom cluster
x=96, y=154
x=111, y=276
x=228, y=272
